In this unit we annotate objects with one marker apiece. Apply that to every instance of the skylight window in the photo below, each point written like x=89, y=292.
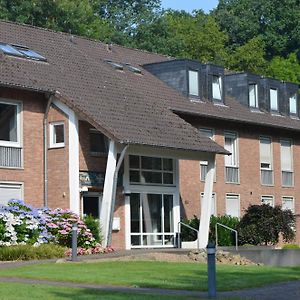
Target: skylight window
x=20, y=51
x=7, y=49
x=133, y=69
x=115, y=65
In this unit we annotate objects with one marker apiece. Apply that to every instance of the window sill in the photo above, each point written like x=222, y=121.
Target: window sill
x=12, y=168
x=58, y=146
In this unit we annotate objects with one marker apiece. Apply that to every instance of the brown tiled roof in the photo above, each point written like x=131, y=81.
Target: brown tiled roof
x=128, y=107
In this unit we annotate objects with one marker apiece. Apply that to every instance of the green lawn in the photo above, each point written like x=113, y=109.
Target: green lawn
x=16, y=291
x=189, y=276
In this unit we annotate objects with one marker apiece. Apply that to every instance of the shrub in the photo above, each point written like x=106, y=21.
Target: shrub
x=226, y=237
x=262, y=224
x=93, y=225
x=186, y=233
x=27, y=252
x=59, y=224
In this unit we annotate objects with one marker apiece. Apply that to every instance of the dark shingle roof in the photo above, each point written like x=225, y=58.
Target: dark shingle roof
x=128, y=107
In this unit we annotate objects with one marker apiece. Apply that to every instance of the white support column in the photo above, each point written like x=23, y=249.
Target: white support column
x=206, y=204
x=108, y=190
x=73, y=156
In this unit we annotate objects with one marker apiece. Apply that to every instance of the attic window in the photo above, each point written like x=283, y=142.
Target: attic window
x=133, y=69
x=115, y=65
x=21, y=51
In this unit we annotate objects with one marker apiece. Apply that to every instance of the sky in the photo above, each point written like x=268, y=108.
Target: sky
x=189, y=5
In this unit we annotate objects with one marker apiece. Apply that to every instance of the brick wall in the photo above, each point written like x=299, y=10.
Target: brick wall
x=249, y=189
x=58, y=165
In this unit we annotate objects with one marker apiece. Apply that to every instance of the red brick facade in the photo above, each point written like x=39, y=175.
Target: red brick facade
x=249, y=188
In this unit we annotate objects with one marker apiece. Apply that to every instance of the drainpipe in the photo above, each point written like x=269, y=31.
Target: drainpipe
x=45, y=127
x=114, y=195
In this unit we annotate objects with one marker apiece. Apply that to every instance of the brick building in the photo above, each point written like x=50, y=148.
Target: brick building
x=114, y=132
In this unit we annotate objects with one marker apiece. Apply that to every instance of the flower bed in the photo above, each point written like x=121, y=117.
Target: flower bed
x=21, y=224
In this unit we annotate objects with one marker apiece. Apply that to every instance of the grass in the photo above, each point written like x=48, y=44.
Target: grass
x=189, y=276
x=16, y=291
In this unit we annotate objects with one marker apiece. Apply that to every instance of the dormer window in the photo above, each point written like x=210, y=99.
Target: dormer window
x=253, y=95
x=217, y=87
x=193, y=83
x=274, y=99
x=293, y=104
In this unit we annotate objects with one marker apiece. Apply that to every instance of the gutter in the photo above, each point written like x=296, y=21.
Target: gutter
x=45, y=127
x=114, y=195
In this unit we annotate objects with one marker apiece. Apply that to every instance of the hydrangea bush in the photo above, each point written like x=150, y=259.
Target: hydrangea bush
x=22, y=224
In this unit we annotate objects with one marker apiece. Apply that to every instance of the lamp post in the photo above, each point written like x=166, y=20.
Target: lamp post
x=74, y=241
x=211, y=270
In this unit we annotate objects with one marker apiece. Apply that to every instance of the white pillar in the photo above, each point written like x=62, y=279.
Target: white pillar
x=206, y=204
x=108, y=190
x=73, y=156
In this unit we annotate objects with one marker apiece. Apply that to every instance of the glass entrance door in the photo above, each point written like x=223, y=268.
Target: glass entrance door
x=151, y=220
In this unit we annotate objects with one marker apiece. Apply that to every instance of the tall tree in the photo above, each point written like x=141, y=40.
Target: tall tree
x=277, y=22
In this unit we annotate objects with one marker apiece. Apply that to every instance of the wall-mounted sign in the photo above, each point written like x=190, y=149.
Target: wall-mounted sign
x=91, y=179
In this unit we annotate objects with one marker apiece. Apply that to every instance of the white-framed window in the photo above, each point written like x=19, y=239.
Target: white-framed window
x=233, y=205
x=208, y=132
x=9, y=191
x=151, y=170
x=193, y=83
x=274, y=99
x=253, y=95
x=286, y=159
x=217, y=87
x=98, y=143
x=288, y=203
x=293, y=104
x=231, y=161
x=57, y=134
x=268, y=200
x=266, y=161
x=10, y=123
x=214, y=203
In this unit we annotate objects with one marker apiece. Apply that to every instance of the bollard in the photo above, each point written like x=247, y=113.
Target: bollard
x=178, y=240
x=211, y=270
x=74, y=242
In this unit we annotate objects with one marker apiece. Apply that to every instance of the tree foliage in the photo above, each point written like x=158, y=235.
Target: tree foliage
x=262, y=224
x=276, y=22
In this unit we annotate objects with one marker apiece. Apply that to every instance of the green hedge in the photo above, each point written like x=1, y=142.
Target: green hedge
x=28, y=252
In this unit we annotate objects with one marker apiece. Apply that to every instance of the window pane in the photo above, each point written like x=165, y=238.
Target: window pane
x=59, y=134
x=253, y=95
x=288, y=203
x=193, y=83
x=168, y=178
x=265, y=152
x=168, y=213
x=151, y=163
x=134, y=176
x=286, y=155
x=135, y=212
x=274, y=99
x=8, y=122
x=152, y=206
x=230, y=145
x=293, y=104
x=98, y=142
x=151, y=177
x=7, y=49
x=233, y=205
x=134, y=162
x=217, y=87
x=168, y=164
x=268, y=200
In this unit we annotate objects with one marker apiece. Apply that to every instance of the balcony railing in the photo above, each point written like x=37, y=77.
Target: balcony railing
x=287, y=178
x=232, y=174
x=266, y=177
x=10, y=157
